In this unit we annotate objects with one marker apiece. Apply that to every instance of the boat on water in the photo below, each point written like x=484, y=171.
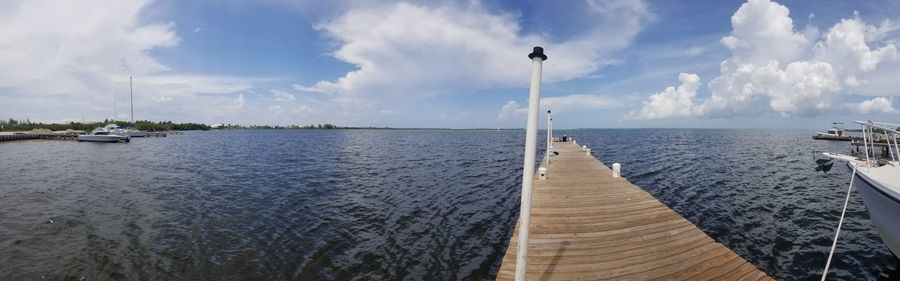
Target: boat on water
x=835, y=133
x=130, y=132
x=103, y=135
x=877, y=178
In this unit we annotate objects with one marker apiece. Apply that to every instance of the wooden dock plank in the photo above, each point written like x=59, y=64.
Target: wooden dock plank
x=587, y=225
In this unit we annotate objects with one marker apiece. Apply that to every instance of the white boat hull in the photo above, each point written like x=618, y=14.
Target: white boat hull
x=884, y=210
x=102, y=138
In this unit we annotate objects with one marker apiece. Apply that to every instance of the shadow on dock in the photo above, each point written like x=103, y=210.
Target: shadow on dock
x=546, y=276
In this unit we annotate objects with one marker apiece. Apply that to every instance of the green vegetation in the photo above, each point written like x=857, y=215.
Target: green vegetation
x=250, y=127
x=143, y=125
x=327, y=126
x=150, y=126
x=27, y=125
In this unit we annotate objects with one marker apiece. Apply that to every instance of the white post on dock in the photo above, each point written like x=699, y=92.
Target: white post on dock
x=537, y=59
x=549, y=140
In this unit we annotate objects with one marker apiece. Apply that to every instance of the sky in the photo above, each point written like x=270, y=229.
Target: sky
x=452, y=64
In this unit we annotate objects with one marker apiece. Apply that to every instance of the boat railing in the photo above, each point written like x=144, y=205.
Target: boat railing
x=870, y=129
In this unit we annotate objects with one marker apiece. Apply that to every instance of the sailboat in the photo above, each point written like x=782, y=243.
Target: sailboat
x=877, y=178
x=131, y=131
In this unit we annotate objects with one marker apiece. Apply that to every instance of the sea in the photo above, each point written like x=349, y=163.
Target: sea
x=396, y=204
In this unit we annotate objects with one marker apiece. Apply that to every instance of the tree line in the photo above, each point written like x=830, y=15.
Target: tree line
x=150, y=126
x=143, y=125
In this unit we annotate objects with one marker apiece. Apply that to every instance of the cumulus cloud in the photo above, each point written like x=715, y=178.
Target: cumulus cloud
x=774, y=68
x=569, y=103
x=672, y=102
x=509, y=110
x=65, y=60
x=875, y=105
x=408, y=49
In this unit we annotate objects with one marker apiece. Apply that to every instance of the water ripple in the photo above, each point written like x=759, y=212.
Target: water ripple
x=392, y=205
x=756, y=192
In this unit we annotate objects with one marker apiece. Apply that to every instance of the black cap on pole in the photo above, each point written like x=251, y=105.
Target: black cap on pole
x=538, y=52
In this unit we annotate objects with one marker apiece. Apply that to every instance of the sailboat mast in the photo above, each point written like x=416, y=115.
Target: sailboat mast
x=131, y=86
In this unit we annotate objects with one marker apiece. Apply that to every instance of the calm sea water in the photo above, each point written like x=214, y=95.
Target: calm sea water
x=368, y=204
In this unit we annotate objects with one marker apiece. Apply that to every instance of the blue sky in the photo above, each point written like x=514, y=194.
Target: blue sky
x=457, y=64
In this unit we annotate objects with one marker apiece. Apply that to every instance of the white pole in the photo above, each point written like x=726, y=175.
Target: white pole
x=896, y=148
x=537, y=58
x=890, y=148
x=893, y=136
x=866, y=145
x=131, y=86
x=549, y=122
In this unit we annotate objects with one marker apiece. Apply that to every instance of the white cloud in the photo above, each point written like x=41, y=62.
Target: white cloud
x=672, y=102
x=65, y=60
x=875, y=105
x=510, y=110
x=579, y=102
x=774, y=68
x=560, y=104
x=406, y=49
x=764, y=31
x=280, y=95
x=388, y=111
x=302, y=88
x=197, y=29
x=238, y=103
x=675, y=52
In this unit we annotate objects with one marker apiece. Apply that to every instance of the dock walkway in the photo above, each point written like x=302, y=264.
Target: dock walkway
x=586, y=225
x=16, y=137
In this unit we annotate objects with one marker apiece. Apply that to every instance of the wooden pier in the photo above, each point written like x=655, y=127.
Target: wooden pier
x=586, y=225
x=15, y=137
x=62, y=135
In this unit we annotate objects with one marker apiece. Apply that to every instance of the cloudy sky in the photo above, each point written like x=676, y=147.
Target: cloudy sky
x=458, y=64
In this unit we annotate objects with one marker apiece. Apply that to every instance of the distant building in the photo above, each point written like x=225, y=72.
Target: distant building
x=216, y=126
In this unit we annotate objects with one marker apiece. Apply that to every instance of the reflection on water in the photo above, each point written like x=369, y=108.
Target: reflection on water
x=370, y=204
x=261, y=205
